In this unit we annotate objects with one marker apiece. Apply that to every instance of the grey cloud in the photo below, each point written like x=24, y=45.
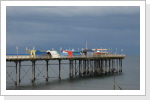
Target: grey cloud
x=52, y=27
x=72, y=11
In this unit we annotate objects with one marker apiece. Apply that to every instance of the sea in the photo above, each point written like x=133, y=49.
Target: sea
x=129, y=79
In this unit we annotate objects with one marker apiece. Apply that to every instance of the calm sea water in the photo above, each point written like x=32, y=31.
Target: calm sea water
x=129, y=79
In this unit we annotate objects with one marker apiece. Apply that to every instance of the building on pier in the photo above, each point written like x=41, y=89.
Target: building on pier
x=70, y=53
x=52, y=54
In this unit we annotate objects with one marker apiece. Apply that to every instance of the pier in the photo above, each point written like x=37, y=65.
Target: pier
x=78, y=65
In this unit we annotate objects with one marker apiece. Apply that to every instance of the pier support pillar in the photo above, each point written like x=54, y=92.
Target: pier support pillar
x=121, y=65
x=70, y=68
x=109, y=66
x=80, y=73
x=101, y=66
x=75, y=72
x=88, y=67
x=91, y=67
x=117, y=64
x=59, y=69
x=106, y=66
x=95, y=67
x=47, y=70
x=33, y=71
x=19, y=71
x=84, y=67
x=16, y=73
x=112, y=65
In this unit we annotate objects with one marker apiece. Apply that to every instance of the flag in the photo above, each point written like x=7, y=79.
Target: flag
x=86, y=44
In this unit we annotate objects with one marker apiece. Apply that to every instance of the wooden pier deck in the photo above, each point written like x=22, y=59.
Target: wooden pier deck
x=122, y=56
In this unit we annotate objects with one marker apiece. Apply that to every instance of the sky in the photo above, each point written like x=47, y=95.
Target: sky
x=46, y=27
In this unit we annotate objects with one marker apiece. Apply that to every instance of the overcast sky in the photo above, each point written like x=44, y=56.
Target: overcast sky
x=70, y=27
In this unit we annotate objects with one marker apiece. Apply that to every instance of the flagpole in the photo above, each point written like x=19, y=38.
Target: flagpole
x=86, y=44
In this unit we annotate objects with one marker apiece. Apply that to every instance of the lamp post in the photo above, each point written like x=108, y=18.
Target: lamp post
x=26, y=50
x=17, y=50
x=122, y=51
x=33, y=48
x=60, y=49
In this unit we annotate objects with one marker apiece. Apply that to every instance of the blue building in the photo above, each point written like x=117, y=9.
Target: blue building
x=40, y=53
x=76, y=53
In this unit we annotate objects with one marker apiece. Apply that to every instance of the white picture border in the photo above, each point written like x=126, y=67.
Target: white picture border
x=72, y=3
